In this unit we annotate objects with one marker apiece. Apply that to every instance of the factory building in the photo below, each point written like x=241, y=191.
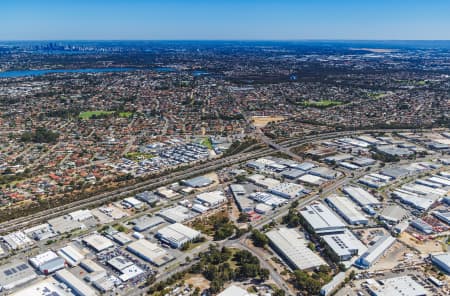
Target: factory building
x=211, y=199
x=177, y=235
x=321, y=220
x=197, y=182
x=422, y=226
x=47, y=262
x=344, y=245
x=74, y=283
x=150, y=252
x=15, y=274
x=375, y=252
x=293, y=248
x=71, y=254
x=442, y=261
x=397, y=286
x=346, y=209
x=361, y=196
x=98, y=242
x=287, y=190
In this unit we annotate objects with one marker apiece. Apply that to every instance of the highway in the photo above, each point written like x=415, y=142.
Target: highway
x=202, y=168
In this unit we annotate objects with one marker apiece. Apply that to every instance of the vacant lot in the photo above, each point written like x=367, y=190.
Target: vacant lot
x=262, y=121
x=90, y=114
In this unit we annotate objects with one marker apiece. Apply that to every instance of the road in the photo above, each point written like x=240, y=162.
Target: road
x=150, y=184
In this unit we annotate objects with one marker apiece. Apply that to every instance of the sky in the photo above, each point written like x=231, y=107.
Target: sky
x=224, y=19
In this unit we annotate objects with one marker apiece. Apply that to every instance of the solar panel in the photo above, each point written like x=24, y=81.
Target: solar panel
x=7, y=272
x=22, y=267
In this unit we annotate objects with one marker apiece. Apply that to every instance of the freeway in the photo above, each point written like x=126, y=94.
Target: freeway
x=201, y=168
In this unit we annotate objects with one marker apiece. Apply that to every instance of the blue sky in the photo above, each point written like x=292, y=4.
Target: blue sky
x=224, y=19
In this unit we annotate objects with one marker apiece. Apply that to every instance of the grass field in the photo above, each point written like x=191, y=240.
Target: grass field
x=89, y=114
x=207, y=143
x=125, y=114
x=138, y=156
x=322, y=103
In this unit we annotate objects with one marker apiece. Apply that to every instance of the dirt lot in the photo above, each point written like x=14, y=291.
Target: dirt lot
x=425, y=247
x=262, y=121
x=197, y=280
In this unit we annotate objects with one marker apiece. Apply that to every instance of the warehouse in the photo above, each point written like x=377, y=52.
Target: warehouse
x=131, y=202
x=375, y=252
x=98, y=242
x=344, y=245
x=292, y=174
x=312, y=180
x=361, y=196
x=294, y=249
x=177, y=235
x=239, y=193
x=47, y=262
x=267, y=198
x=234, y=291
x=442, y=261
x=346, y=209
x=288, y=190
x=443, y=216
x=412, y=199
x=146, y=222
x=422, y=226
x=397, y=286
x=329, y=288
x=177, y=214
x=321, y=219
x=324, y=172
x=263, y=181
x=49, y=285
x=71, y=254
x=17, y=240
x=74, y=283
x=150, y=252
x=197, y=182
x=211, y=199
x=15, y=274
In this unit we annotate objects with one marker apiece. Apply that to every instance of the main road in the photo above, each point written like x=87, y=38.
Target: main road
x=197, y=169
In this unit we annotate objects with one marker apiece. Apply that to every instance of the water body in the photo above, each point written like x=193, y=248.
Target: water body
x=24, y=73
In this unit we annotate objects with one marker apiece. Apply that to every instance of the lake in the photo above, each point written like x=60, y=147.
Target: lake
x=24, y=73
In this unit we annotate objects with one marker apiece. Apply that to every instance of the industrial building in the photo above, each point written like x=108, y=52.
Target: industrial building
x=346, y=209
x=127, y=268
x=197, y=182
x=375, y=252
x=422, y=226
x=344, y=245
x=98, y=242
x=412, y=199
x=324, y=172
x=74, y=283
x=397, y=286
x=322, y=220
x=150, y=252
x=15, y=274
x=211, y=199
x=243, y=202
x=442, y=261
x=235, y=291
x=361, y=196
x=293, y=249
x=46, y=287
x=312, y=180
x=146, y=222
x=329, y=288
x=177, y=234
x=47, y=262
x=444, y=216
x=288, y=190
x=71, y=254
x=177, y=214
x=263, y=181
x=17, y=240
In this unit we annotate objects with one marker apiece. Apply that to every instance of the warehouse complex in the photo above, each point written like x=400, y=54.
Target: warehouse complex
x=321, y=219
x=375, y=252
x=177, y=234
x=150, y=252
x=293, y=248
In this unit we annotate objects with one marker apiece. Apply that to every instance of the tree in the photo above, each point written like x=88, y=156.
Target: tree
x=264, y=274
x=243, y=217
x=259, y=239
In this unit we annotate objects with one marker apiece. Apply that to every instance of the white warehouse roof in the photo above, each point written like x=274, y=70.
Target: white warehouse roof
x=361, y=196
x=294, y=248
x=322, y=219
